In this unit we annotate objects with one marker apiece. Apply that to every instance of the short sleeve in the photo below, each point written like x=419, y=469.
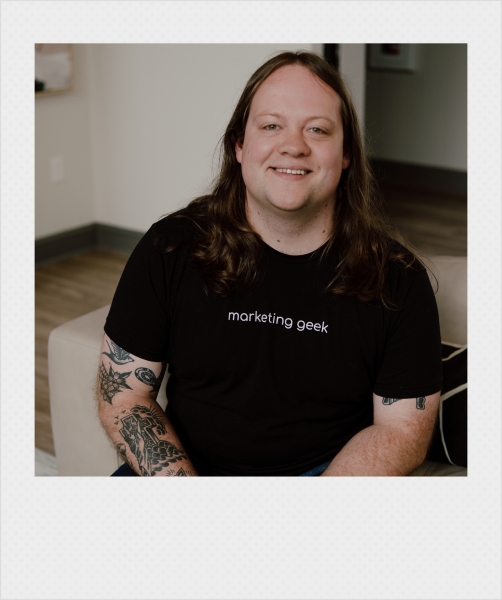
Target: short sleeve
x=138, y=320
x=411, y=365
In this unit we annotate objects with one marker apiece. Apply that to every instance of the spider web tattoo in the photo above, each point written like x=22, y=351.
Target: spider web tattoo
x=112, y=382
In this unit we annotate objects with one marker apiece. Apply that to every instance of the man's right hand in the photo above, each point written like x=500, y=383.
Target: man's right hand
x=127, y=389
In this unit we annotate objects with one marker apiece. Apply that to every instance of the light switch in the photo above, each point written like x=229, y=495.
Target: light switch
x=57, y=170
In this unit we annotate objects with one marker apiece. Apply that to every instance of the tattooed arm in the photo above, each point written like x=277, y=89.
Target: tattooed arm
x=395, y=444
x=138, y=427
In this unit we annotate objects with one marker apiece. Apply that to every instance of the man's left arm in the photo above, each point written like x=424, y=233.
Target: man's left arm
x=395, y=444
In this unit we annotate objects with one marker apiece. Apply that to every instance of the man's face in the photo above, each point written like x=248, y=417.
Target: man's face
x=294, y=123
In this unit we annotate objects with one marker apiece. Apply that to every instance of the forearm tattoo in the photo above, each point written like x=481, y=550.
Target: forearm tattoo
x=420, y=402
x=112, y=382
x=118, y=355
x=139, y=430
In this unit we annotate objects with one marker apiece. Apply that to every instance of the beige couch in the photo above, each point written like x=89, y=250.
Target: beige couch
x=82, y=447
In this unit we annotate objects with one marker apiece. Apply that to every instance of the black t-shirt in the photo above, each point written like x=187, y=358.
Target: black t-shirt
x=274, y=380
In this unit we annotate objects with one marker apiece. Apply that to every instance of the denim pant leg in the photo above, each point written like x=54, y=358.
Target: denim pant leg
x=316, y=471
x=124, y=471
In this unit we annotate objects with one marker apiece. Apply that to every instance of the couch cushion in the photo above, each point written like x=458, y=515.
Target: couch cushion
x=451, y=297
x=449, y=442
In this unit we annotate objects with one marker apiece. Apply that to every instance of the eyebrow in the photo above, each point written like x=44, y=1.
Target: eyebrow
x=267, y=114
x=279, y=116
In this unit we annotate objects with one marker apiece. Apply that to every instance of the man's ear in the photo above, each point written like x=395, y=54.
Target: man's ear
x=238, y=152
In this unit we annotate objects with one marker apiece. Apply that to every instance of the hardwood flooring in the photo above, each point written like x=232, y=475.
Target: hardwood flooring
x=434, y=223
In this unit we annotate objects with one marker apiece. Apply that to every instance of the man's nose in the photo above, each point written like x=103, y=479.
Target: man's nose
x=294, y=143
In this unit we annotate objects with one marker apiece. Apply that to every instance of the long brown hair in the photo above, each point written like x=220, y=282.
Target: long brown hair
x=228, y=252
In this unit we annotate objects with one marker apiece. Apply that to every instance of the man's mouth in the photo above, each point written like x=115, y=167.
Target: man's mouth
x=292, y=171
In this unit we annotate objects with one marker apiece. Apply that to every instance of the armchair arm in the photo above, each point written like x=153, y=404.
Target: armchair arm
x=81, y=445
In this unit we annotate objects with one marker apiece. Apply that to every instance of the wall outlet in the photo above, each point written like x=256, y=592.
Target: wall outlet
x=57, y=169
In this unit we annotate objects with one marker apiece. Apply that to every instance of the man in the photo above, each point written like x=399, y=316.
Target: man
x=301, y=337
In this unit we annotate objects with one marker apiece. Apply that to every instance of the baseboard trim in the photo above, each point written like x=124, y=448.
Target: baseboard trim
x=117, y=238
x=82, y=239
x=420, y=176
x=65, y=244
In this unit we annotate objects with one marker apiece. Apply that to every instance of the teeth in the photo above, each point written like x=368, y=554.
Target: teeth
x=292, y=171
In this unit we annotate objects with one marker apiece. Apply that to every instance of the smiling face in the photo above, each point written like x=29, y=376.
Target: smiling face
x=292, y=154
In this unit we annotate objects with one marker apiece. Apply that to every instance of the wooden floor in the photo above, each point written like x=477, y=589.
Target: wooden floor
x=433, y=223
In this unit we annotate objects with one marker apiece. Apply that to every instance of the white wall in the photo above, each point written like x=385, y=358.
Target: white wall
x=421, y=117
x=352, y=67
x=62, y=128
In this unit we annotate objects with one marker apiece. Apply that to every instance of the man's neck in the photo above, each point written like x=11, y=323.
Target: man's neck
x=292, y=233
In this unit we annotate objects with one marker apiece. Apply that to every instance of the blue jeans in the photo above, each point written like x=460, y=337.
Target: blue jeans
x=126, y=471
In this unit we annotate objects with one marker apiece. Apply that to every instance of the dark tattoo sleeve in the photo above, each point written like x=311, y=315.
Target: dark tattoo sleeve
x=140, y=430
x=117, y=354
x=420, y=402
x=154, y=414
x=111, y=382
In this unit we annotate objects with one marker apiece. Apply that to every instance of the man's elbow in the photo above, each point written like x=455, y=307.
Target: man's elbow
x=421, y=447
x=415, y=445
